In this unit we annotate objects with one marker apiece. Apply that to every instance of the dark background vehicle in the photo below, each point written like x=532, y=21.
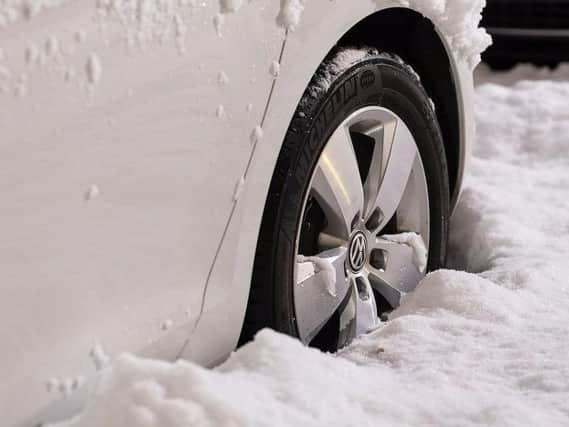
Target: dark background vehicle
x=535, y=31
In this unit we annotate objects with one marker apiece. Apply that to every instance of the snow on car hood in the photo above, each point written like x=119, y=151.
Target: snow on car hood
x=483, y=347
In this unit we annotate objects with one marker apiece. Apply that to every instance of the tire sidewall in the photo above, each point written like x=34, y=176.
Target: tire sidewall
x=375, y=81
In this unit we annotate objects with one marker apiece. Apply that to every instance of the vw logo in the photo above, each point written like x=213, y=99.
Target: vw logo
x=357, y=252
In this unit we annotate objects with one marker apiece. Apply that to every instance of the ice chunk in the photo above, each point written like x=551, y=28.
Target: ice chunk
x=92, y=193
x=81, y=36
x=32, y=54
x=93, y=69
x=99, y=357
x=180, y=30
x=275, y=68
x=78, y=382
x=321, y=265
x=256, y=134
x=166, y=325
x=416, y=242
x=222, y=78
x=238, y=189
x=290, y=13
x=52, y=46
x=218, y=21
x=220, y=112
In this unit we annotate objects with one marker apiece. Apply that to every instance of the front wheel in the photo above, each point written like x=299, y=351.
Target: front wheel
x=358, y=207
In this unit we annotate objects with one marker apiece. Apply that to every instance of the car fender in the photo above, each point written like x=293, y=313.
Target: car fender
x=321, y=27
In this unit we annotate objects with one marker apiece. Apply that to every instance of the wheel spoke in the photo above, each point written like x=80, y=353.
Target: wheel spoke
x=400, y=272
x=359, y=315
x=394, y=158
x=383, y=134
x=321, y=286
x=337, y=184
x=366, y=308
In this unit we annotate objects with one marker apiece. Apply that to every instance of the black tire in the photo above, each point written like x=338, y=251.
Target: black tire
x=376, y=80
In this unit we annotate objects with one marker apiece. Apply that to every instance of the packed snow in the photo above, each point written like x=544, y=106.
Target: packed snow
x=322, y=265
x=93, y=69
x=487, y=345
x=222, y=78
x=92, y=193
x=275, y=68
x=239, y=188
x=290, y=14
x=14, y=10
x=459, y=21
x=335, y=65
x=256, y=134
x=415, y=242
x=99, y=357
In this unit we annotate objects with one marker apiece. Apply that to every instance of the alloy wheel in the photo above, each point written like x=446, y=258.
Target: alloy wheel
x=365, y=228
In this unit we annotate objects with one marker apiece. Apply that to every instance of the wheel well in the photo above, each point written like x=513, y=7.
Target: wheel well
x=414, y=38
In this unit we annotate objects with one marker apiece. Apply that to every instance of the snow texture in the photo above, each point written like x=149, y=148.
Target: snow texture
x=256, y=134
x=415, y=241
x=239, y=189
x=322, y=266
x=32, y=54
x=81, y=36
x=222, y=78
x=458, y=20
x=275, y=68
x=218, y=21
x=147, y=21
x=220, y=112
x=167, y=325
x=14, y=10
x=52, y=46
x=485, y=346
x=92, y=193
x=93, y=69
x=338, y=63
x=99, y=357
x=290, y=13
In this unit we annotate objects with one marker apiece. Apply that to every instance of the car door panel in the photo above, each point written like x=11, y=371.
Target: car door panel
x=122, y=139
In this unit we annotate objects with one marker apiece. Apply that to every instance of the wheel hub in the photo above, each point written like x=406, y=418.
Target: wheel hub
x=357, y=252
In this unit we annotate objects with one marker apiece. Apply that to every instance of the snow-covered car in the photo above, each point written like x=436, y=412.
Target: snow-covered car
x=534, y=31
x=177, y=175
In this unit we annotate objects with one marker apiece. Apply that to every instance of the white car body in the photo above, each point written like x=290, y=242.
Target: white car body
x=130, y=207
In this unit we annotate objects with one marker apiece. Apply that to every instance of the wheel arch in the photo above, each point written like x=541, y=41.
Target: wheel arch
x=321, y=30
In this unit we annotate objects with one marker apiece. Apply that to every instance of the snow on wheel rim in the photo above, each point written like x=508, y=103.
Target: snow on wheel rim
x=382, y=211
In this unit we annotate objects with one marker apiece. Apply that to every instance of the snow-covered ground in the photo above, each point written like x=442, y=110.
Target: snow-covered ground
x=485, y=346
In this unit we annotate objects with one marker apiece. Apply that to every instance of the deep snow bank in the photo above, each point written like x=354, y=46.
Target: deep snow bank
x=464, y=349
